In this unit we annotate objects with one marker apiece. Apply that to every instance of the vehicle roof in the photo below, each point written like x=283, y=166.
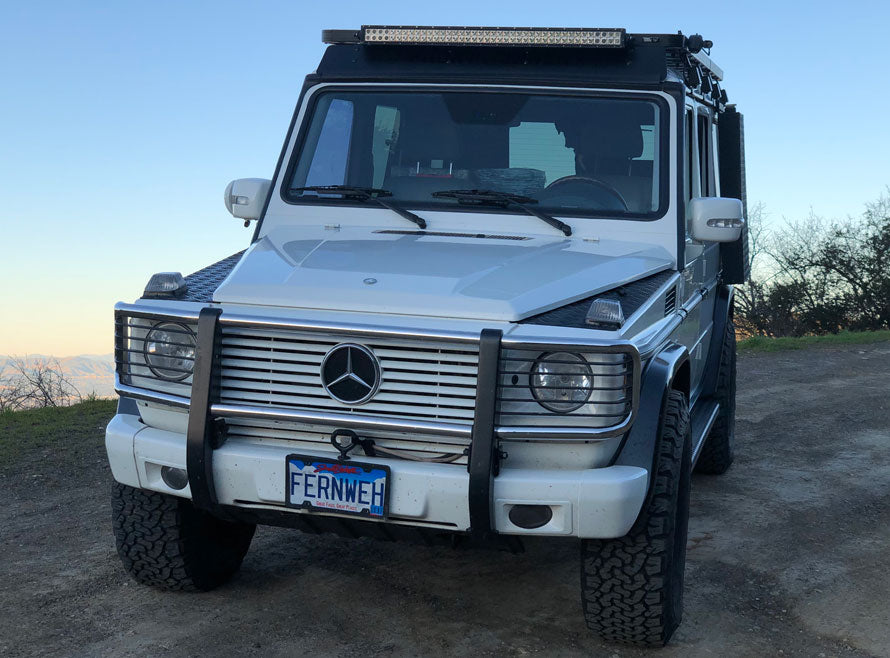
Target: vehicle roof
x=643, y=61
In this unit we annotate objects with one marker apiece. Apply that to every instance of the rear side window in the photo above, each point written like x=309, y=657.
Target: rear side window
x=704, y=155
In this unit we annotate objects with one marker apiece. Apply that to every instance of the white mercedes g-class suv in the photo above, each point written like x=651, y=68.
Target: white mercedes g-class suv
x=488, y=296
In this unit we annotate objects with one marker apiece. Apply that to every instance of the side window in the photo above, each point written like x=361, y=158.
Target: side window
x=688, y=155
x=329, y=163
x=386, y=136
x=715, y=161
x=536, y=145
x=705, y=162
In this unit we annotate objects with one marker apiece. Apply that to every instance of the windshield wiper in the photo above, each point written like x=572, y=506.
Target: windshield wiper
x=364, y=194
x=503, y=199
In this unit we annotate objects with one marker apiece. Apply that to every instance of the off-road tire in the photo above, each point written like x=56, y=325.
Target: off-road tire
x=718, y=451
x=632, y=587
x=166, y=542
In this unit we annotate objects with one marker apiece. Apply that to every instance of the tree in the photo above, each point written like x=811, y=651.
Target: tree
x=35, y=382
x=817, y=277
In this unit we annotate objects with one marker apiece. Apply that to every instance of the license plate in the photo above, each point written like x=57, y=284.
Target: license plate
x=347, y=487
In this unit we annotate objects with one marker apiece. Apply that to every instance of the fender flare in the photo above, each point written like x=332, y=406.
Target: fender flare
x=668, y=369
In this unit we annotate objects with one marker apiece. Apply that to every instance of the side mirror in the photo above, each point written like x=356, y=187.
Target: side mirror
x=245, y=197
x=715, y=219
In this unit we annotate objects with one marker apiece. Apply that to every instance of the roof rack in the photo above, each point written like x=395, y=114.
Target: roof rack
x=688, y=58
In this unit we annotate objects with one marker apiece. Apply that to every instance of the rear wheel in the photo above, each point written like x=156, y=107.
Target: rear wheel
x=632, y=587
x=167, y=542
x=718, y=451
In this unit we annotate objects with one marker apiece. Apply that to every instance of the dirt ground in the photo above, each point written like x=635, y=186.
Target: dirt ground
x=789, y=554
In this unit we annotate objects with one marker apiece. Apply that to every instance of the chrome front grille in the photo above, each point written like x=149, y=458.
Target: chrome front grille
x=423, y=380
x=265, y=383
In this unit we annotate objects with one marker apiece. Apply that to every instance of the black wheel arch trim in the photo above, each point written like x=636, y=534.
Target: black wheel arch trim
x=668, y=369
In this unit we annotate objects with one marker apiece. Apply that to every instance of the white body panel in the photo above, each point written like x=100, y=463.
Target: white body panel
x=361, y=269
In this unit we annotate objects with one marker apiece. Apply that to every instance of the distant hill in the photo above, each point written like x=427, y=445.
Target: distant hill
x=90, y=373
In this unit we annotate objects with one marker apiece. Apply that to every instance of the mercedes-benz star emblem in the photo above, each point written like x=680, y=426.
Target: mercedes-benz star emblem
x=350, y=373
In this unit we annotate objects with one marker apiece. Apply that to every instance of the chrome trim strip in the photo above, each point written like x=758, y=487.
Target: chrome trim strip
x=564, y=434
x=341, y=421
x=149, y=396
x=544, y=343
x=653, y=344
x=156, y=312
x=239, y=320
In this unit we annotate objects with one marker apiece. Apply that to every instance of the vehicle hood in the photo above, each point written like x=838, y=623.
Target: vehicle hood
x=484, y=278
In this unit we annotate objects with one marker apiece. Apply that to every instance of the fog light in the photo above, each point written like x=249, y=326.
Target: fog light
x=530, y=516
x=175, y=478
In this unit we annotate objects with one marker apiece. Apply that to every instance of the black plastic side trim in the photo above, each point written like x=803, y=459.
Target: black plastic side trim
x=199, y=436
x=722, y=308
x=483, y=453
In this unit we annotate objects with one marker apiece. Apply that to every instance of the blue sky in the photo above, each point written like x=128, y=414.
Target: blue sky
x=121, y=124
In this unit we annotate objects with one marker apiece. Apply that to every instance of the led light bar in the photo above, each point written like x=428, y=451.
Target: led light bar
x=495, y=36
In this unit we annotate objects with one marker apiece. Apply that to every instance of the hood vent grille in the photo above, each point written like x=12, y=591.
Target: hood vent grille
x=670, y=301
x=446, y=234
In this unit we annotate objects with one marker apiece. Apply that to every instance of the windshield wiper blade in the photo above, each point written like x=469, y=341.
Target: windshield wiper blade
x=366, y=194
x=505, y=199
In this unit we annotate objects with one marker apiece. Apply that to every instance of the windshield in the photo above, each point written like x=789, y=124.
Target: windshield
x=572, y=155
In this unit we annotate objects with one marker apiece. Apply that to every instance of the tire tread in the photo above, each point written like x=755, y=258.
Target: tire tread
x=628, y=591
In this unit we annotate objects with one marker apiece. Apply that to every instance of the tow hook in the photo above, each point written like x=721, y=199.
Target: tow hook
x=354, y=442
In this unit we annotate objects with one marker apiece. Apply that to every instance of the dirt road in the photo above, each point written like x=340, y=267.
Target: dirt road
x=789, y=554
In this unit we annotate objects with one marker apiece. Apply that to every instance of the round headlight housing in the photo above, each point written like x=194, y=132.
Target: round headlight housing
x=170, y=351
x=561, y=381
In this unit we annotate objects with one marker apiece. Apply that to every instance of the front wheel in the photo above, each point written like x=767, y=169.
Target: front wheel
x=632, y=587
x=167, y=542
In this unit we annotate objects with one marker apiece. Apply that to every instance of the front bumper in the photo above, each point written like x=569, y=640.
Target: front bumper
x=589, y=503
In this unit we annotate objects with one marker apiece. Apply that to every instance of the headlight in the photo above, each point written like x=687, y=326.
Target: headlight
x=561, y=381
x=170, y=351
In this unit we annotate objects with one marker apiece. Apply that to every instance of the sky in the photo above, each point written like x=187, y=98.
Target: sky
x=121, y=124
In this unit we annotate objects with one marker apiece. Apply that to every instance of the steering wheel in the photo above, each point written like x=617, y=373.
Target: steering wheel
x=584, y=180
